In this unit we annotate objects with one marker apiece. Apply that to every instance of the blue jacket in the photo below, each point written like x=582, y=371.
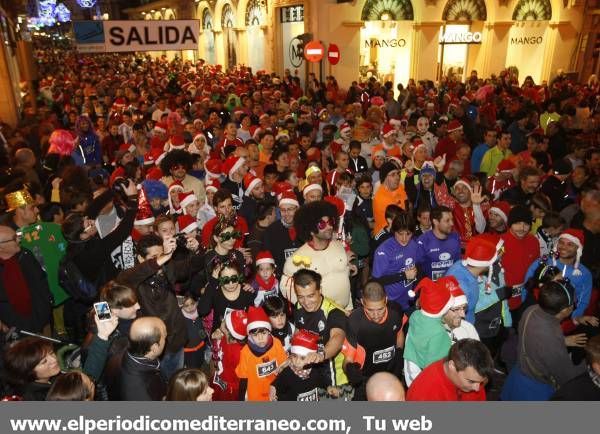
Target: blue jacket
x=582, y=284
x=470, y=286
x=477, y=156
x=391, y=258
x=435, y=255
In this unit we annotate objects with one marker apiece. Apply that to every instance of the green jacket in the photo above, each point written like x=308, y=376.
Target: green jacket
x=427, y=340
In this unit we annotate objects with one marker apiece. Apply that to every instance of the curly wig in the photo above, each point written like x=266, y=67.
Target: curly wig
x=308, y=216
x=174, y=158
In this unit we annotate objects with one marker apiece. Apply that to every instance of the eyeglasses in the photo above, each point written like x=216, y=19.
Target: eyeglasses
x=236, y=278
x=177, y=167
x=260, y=331
x=230, y=235
x=14, y=238
x=322, y=224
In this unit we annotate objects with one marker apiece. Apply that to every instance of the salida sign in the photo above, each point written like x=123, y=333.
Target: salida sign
x=140, y=35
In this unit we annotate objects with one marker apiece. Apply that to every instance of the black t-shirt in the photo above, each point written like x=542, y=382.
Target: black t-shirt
x=277, y=240
x=213, y=298
x=290, y=387
x=378, y=340
x=320, y=323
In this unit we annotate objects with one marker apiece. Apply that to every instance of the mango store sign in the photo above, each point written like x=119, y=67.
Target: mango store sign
x=141, y=35
x=463, y=37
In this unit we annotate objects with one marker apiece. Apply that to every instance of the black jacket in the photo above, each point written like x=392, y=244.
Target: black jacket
x=580, y=388
x=41, y=299
x=141, y=380
x=277, y=240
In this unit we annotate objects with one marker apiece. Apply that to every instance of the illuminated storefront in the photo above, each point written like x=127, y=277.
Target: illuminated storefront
x=460, y=37
x=527, y=37
x=291, y=27
x=256, y=22
x=386, y=40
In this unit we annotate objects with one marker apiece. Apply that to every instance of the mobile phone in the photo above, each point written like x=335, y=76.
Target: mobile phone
x=180, y=300
x=102, y=311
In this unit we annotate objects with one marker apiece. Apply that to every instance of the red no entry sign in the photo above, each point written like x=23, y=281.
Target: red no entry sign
x=314, y=51
x=333, y=54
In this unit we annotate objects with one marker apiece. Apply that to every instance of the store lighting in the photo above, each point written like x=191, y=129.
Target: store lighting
x=385, y=16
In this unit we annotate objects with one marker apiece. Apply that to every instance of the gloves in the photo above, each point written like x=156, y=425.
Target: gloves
x=504, y=293
x=354, y=374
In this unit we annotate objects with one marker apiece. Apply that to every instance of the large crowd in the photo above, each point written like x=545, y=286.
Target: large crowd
x=173, y=230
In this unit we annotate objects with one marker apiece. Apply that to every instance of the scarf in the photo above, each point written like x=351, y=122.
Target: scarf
x=16, y=287
x=192, y=316
x=265, y=285
x=302, y=373
x=259, y=351
x=291, y=230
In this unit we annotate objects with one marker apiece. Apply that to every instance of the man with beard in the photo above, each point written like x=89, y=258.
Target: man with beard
x=254, y=193
x=439, y=247
x=529, y=182
x=467, y=211
x=280, y=237
x=177, y=163
x=375, y=338
x=315, y=223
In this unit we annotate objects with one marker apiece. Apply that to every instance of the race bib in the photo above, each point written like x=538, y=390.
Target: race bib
x=383, y=356
x=311, y=395
x=288, y=253
x=266, y=369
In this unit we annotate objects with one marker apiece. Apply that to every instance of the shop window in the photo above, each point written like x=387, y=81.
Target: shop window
x=227, y=18
x=387, y=10
x=292, y=14
x=206, y=20
x=532, y=10
x=256, y=13
x=465, y=10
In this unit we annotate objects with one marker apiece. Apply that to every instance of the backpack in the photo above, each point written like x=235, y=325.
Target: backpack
x=74, y=282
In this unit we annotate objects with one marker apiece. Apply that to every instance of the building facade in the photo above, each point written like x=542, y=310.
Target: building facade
x=391, y=39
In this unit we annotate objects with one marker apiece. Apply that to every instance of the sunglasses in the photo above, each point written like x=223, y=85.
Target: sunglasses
x=225, y=236
x=226, y=280
x=178, y=167
x=322, y=224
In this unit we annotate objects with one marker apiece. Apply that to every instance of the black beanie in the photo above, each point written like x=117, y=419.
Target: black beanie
x=385, y=169
x=519, y=214
x=562, y=167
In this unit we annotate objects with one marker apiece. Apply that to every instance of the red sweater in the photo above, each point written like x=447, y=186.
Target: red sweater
x=518, y=256
x=432, y=384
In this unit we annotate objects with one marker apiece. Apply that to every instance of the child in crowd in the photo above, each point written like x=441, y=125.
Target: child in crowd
x=227, y=344
x=281, y=328
x=298, y=381
x=195, y=347
x=261, y=359
x=207, y=211
x=265, y=283
x=423, y=220
x=540, y=206
x=547, y=234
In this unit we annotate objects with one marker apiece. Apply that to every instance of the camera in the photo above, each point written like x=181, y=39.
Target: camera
x=119, y=188
x=181, y=241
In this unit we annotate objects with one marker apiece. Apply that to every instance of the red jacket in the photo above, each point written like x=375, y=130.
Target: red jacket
x=432, y=384
x=518, y=256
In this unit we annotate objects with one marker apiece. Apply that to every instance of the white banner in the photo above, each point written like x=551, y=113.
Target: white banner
x=140, y=35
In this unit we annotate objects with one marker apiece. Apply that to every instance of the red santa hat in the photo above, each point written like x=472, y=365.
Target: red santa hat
x=345, y=127
x=417, y=144
x=213, y=168
x=264, y=257
x=464, y=182
x=152, y=156
x=127, y=147
x=288, y=198
x=250, y=183
x=175, y=186
x=231, y=164
x=154, y=173
x=236, y=322
x=480, y=252
x=212, y=184
x=160, y=127
x=311, y=187
x=177, y=142
x=454, y=125
x=450, y=282
x=304, y=342
x=257, y=319
x=186, y=223
x=186, y=198
x=144, y=214
x=435, y=299
x=577, y=237
x=505, y=165
x=388, y=129
x=119, y=172
x=502, y=208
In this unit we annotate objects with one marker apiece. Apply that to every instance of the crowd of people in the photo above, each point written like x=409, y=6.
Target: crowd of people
x=172, y=230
